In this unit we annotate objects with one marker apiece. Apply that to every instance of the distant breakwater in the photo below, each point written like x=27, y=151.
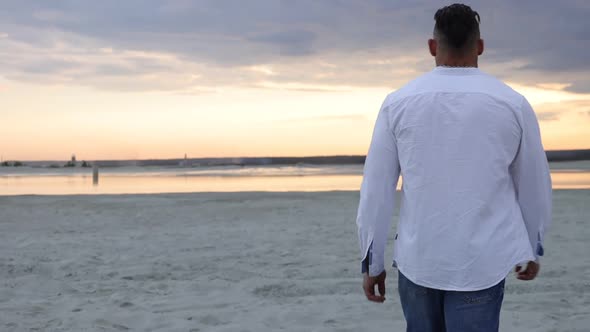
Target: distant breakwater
x=568, y=155
x=556, y=155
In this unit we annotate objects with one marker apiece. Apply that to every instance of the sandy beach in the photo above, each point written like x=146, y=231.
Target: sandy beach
x=237, y=262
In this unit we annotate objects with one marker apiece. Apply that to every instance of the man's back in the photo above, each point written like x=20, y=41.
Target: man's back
x=458, y=131
x=461, y=142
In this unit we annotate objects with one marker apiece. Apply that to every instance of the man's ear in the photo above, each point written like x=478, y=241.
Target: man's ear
x=432, y=44
x=480, y=47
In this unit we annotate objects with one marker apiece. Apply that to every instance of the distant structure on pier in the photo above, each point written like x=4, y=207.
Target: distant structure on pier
x=184, y=162
x=72, y=162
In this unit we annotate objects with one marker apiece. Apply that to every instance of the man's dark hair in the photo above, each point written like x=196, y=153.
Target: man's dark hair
x=457, y=27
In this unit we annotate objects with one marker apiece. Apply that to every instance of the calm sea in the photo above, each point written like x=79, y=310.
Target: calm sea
x=142, y=180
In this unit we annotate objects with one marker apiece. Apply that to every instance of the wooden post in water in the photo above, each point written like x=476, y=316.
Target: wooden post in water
x=95, y=174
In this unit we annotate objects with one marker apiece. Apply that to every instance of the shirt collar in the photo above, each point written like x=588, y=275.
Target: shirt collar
x=456, y=70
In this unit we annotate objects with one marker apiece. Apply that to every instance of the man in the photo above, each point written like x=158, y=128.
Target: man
x=476, y=194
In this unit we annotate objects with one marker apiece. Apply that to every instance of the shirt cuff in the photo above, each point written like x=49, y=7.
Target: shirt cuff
x=366, y=263
x=539, y=251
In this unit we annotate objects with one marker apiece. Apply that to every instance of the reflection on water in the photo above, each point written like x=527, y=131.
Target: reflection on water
x=51, y=185
x=570, y=180
x=321, y=178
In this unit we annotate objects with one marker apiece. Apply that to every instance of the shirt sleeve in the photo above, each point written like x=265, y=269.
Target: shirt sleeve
x=377, y=196
x=532, y=180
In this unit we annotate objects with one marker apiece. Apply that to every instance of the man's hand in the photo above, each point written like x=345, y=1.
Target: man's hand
x=369, y=284
x=531, y=271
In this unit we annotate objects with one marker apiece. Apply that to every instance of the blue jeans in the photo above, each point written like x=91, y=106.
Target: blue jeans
x=433, y=310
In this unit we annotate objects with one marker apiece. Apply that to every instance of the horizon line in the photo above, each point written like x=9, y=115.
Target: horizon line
x=248, y=157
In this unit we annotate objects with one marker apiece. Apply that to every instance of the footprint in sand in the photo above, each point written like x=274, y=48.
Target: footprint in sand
x=105, y=324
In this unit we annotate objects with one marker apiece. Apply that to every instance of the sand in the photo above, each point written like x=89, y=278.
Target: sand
x=237, y=262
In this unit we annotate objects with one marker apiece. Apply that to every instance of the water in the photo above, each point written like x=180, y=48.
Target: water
x=144, y=180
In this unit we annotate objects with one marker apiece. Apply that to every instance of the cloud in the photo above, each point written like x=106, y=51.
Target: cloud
x=292, y=43
x=555, y=110
x=331, y=118
x=337, y=43
x=548, y=116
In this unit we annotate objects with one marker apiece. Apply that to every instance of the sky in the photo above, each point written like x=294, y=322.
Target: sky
x=218, y=78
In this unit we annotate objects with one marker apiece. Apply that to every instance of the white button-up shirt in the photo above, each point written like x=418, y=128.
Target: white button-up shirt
x=476, y=192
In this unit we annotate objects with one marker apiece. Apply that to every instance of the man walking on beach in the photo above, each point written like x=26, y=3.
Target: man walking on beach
x=476, y=194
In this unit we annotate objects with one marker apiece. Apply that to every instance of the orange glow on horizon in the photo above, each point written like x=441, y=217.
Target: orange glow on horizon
x=53, y=122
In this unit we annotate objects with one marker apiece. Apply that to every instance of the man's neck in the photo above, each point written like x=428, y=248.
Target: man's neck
x=457, y=63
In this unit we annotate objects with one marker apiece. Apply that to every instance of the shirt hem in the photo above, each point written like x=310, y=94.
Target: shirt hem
x=410, y=277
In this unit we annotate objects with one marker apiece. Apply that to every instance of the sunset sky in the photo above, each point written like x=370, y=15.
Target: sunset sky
x=158, y=79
